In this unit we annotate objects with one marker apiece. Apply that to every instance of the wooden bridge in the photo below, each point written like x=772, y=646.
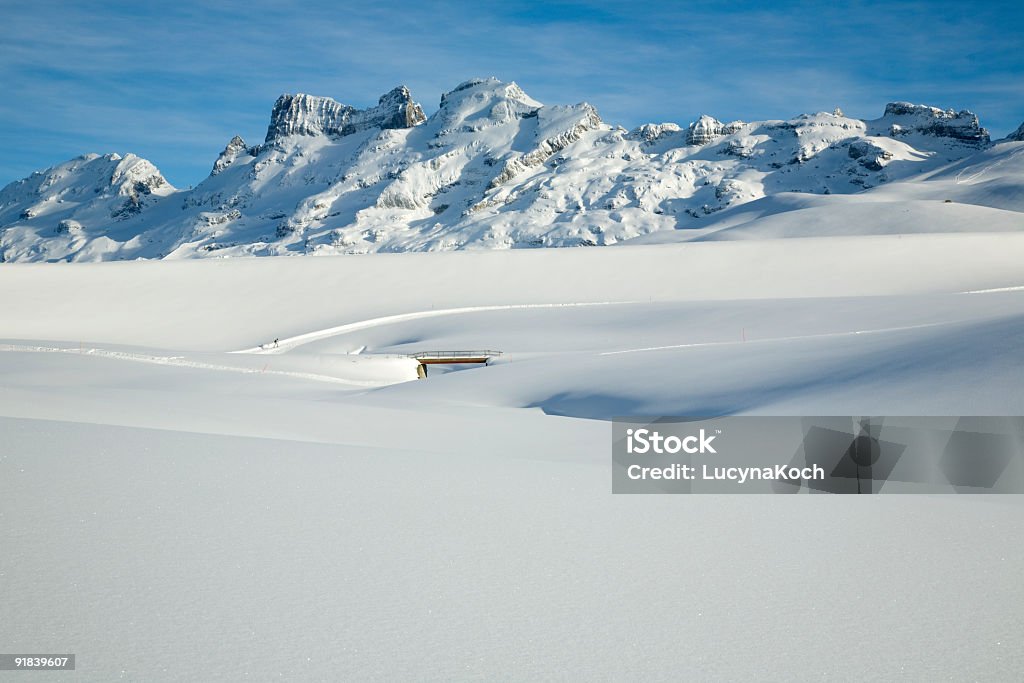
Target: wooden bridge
x=426, y=358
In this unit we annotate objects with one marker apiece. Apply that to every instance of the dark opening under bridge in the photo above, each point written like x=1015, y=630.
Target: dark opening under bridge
x=426, y=358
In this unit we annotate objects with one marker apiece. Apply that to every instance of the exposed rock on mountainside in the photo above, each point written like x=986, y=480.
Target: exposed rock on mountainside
x=707, y=129
x=905, y=117
x=109, y=185
x=650, y=133
x=311, y=115
x=491, y=168
x=563, y=137
x=234, y=147
x=869, y=154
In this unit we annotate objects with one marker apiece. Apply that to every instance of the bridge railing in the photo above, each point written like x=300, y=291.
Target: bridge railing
x=455, y=354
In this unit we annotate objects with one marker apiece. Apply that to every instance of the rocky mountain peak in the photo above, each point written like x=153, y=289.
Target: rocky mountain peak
x=104, y=188
x=234, y=147
x=649, y=133
x=1017, y=135
x=484, y=101
x=904, y=117
x=489, y=87
x=405, y=112
x=708, y=129
x=303, y=114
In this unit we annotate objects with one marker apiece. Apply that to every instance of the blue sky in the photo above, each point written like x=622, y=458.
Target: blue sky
x=173, y=81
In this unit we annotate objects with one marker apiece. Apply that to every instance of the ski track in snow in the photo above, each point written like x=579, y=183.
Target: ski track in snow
x=291, y=342
x=959, y=179
x=997, y=289
x=766, y=340
x=181, y=361
x=317, y=335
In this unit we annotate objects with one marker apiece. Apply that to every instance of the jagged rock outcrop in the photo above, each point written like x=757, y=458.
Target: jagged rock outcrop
x=649, y=133
x=139, y=182
x=708, y=129
x=963, y=125
x=311, y=115
x=1017, y=135
x=234, y=147
x=869, y=155
x=68, y=226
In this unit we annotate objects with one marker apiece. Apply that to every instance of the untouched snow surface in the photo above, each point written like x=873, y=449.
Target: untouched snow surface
x=176, y=504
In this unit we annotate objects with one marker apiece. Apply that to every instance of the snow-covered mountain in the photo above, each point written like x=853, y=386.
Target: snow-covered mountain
x=492, y=168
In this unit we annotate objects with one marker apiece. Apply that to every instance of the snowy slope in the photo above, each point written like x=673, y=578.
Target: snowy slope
x=56, y=211
x=491, y=168
x=318, y=514
x=983, y=192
